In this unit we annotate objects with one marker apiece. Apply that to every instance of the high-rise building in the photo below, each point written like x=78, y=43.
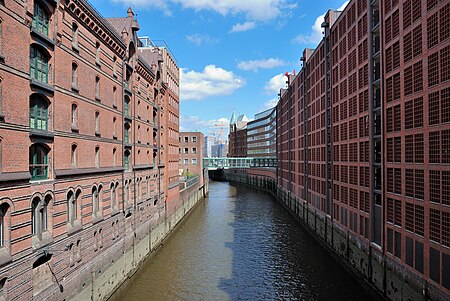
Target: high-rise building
x=363, y=134
x=207, y=151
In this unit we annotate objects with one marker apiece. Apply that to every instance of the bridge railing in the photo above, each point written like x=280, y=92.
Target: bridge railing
x=250, y=162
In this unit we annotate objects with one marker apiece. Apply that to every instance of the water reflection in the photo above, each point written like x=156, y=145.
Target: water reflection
x=240, y=244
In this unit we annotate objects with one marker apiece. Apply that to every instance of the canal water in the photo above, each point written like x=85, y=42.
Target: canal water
x=241, y=244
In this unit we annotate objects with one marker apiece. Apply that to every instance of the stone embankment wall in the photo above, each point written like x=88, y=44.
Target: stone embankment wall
x=387, y=278
x=113, y=268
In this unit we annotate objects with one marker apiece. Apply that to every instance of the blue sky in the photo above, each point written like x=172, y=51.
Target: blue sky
x=233, y=53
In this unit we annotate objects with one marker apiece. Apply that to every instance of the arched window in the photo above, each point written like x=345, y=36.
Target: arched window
x=126, y=106
x=71, y=208
x=114, y=97
x=41, y=18
x=97, y=53
x=38, y=113
x=115, y=66
x=97, y=123
x=74, y=155
x=126, y=160
x=39, y=216
x=75, y=36
x=95, y=201
x=113, y=196
x=38, y=64
x=97, y=157
x=74, y=116
x=74, y=76
x=38, y=162
x=3, y=211
x=126, y=133
x=97, y=88
x=114, y=157
x=138, y=187
x=114, y=128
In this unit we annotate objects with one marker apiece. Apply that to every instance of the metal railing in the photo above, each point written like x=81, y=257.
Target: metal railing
x=227, y=163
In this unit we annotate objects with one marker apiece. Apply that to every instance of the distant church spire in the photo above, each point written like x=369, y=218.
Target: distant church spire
x=233, y=118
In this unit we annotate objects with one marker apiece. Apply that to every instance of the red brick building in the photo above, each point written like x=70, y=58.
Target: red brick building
x=83, y=149
x=363, y=133
x=191, y=153
x=237, y=138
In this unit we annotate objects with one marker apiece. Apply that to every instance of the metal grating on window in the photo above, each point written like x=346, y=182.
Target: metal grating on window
x=431, y=4
x=445, y=63
x=445, y=105
x=432, y=31
x=407, y=47
x=444, y=16
x=407, y=17
x=418, y=148
x=445, y=136
x=419, y=219
x=417, y=40
x=409, y=180
x=390, y=180
x=395, y=24
x=446, y=187
x=409, y=217
x=434, y=144
x=397, y=119
x=390, y=210
x=435, y=186
x=409, y=149
x=388, y=30
x=446, y=228
x=434, y=108
x=390, y=150
x=435, y=225
x=398, y=149
x=353, y=198
x=409, y=121
x=418, y=76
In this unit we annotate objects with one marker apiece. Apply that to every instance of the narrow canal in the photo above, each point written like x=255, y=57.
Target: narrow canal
x=240, y=244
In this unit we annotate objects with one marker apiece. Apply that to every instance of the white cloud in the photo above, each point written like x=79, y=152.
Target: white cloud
x=315, y=36
x=239, y=27
x=269, y=104
x=192, y=123
x=254, y=65
x=275, y=84
x=199, y=39
x=211, y=81
x=252, y=9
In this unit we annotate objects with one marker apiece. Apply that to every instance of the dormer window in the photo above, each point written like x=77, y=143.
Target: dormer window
x=41, y=19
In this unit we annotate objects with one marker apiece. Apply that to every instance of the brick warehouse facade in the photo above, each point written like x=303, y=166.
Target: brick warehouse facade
x=191, y=153
x=85, y=158
x=363, y=138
